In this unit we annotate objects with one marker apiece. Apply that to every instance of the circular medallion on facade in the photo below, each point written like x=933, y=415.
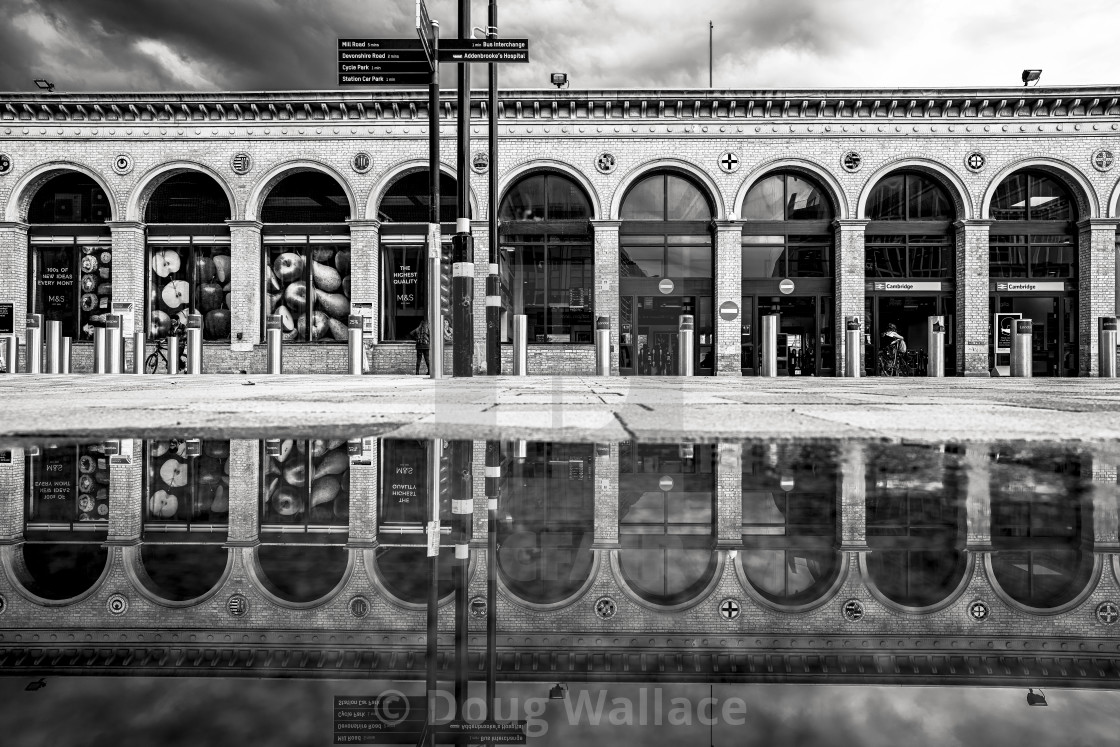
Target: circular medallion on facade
x=117, y=604
x=359, y=607
x=665, y=483
x=1108, y=613
x=729, y=162
x=480, y=162
x=237, y=605
x=666, y=286
x=853, y=610
x=1103, y=160
x=605, y=162
x=975, y=161
x=122, y=164
x=851, y=161
x=241, y=163
x=477, y=606
x=979, y=611
x=5, y=163
x=786, y=286
x=728, y=311
x=361, y=162
x=729, y=608
x=605, y=608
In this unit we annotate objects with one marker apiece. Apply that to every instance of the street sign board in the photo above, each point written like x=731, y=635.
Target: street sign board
x=425, y=30
x=483, y=55
x=383, y=79
x=495, y=732
x=484, y=45
x=415, y=56
x=384, y=67
x=350, y=45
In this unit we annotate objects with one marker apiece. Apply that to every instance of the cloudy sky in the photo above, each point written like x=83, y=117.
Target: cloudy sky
x=221, y=45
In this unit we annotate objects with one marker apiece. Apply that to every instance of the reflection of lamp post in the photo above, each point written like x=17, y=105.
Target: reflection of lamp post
x=37, y=685
x=558, y=692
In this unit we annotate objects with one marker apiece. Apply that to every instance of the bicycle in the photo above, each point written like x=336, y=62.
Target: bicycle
x=151, y=363
x=892, y=363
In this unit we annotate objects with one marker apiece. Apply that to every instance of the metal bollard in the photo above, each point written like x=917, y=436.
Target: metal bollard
x=520, y=345
x=139, y=351
x=603, y=346
x=173, y=354
x=768, y=345
x=273, y=333
x=100, y=365
x=354, y=343
x=1021, y=348
x=853, y=346
x=686, y=345
x=10, y=351
x=113, y=343
x=194, y=344
x=1106, y=347
x=64, y=356
x=935, y=333
x=52, y=340
x=33, y=347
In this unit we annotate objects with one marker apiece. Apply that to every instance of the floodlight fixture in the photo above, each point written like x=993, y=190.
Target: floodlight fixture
x=560, y=80
x=1031, y=75
x=44, y=85
x=558, y=692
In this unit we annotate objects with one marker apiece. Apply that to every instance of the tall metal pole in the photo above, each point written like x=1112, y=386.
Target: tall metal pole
x=462, y=508
x=493, y=289
x=493, y=488
x=710, y=54
x=435, y=241
x=462, y=281
x=434, y=453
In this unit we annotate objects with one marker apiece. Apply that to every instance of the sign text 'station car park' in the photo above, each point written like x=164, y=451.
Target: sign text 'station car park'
x=396, y=62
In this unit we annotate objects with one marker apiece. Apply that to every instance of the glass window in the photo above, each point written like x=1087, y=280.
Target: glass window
x=787, y=197
x=195, y=277
x=545, y=197
x=1032, y=256
x=188, y=198
x=645, y=200
x=913, y=256
x=308, y=285
x=404, y=289
x=1032, y=196
x=763, y=261
x=909, y=196
x=307, y=197
x=689, y=261
x=72, y=283
x=69, y=198
x=305, y=485
x=766, y=200
x=67, y=488
x=408, y=198
x=809, y=260
x=551, y=284
x=188, y=485
x=888, y=199
x=643, y=261
x=666, y=197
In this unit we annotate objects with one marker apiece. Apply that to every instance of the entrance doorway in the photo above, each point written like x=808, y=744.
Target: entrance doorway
x=1054, y=331
x=650, y=335
x=805, y=334
x=910, y=315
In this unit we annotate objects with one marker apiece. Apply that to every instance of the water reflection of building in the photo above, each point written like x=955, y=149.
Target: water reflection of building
x=848, y=561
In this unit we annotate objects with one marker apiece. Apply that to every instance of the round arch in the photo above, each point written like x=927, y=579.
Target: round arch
x=954, y=185
x=1088, y=206
x=954, y=594
x=373, y=204
x=592, y=577
x=23, y=581
x=823, y=598
x=1077, y=599
x=260, y=579
x=138, y=575
x=281, y=171
x=701, y=177
x=1114, y=201
x=377, y=579
x=810, y=169
x=714, y=579
x=150, y=181
x=24, y=190
x=542, y=165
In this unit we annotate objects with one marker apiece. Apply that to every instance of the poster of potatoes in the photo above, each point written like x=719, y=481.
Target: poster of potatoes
x=309, y=288
x=186, y=278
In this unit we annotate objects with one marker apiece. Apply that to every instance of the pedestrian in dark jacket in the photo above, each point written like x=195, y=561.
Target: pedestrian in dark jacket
x=423, y=337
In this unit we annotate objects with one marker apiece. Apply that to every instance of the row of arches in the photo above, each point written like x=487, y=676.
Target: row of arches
x=105, y=204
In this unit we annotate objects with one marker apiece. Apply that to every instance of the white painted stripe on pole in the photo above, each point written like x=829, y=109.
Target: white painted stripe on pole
x=493, y=471
x=493, y=300
x=493, y=268
x=461, y=506
x=492, y=504
x=462, y=552
x=463, y=225
x=462, y=269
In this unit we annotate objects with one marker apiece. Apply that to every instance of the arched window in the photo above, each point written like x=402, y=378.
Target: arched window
x=547, y=260
x=911, y=233
x=71, y=279
x=180, y=572
x=666, y=196
x=307, y=268
x=398, y=569
x=407, y=200
x=1033, y=236
x=303, y=573
x=787, y=231
x=189, y=265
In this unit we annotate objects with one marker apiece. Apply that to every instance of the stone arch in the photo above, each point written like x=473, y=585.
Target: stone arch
x=947, y=600
x=592, y=577
x=138, y=576
x=1076, y=601
x=716, y=576
x=544, y=165
x=407, y=167
x=24, y=190
x=369, y=558
x=266, y=586
x=822, y=599
x=946, y=176
x=153, y=178
x=800, y=165
x=701, y=177
x=11, y=556
x=278, y=173
x=1088, y=206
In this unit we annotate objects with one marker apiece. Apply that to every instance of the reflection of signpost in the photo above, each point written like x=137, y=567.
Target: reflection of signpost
x=1003, y=327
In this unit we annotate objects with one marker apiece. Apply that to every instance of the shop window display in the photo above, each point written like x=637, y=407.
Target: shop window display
x=195, y=277
x=72, y=283
x=305, y=485
x=188, y=485
x=308, y=285
x=67, y=488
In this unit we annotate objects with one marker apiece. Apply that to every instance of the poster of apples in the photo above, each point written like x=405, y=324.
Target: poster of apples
x=186, y=485
x=307, y=482
x=309, y=288
x=173, y=295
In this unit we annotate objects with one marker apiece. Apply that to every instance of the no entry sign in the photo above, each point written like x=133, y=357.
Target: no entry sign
x=729, y=311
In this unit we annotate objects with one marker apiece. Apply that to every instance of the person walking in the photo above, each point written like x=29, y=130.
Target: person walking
x=423, y=336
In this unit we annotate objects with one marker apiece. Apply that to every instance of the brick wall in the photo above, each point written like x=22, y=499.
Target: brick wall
x=972, y=298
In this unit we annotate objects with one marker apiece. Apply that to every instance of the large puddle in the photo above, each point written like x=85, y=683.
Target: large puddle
x=758, y=592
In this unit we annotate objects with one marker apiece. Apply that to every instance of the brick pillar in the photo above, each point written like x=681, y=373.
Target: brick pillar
x=480, y=229
x=12, y=494
x=364, y=489
x=849, y=283
x=606, y=280
x=729, y=495
x=1106, y=512
x=128, y=275
x=853, y=497
x=1096, y=286
x=728, y=285
x=972, y=298
x=244, y=492
x=15, y=267
x=978, y=499
x=126, y=493
x=246, y=260
x=606, y=497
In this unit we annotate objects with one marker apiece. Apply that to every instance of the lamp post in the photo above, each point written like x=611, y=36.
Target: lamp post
x=462, y=245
